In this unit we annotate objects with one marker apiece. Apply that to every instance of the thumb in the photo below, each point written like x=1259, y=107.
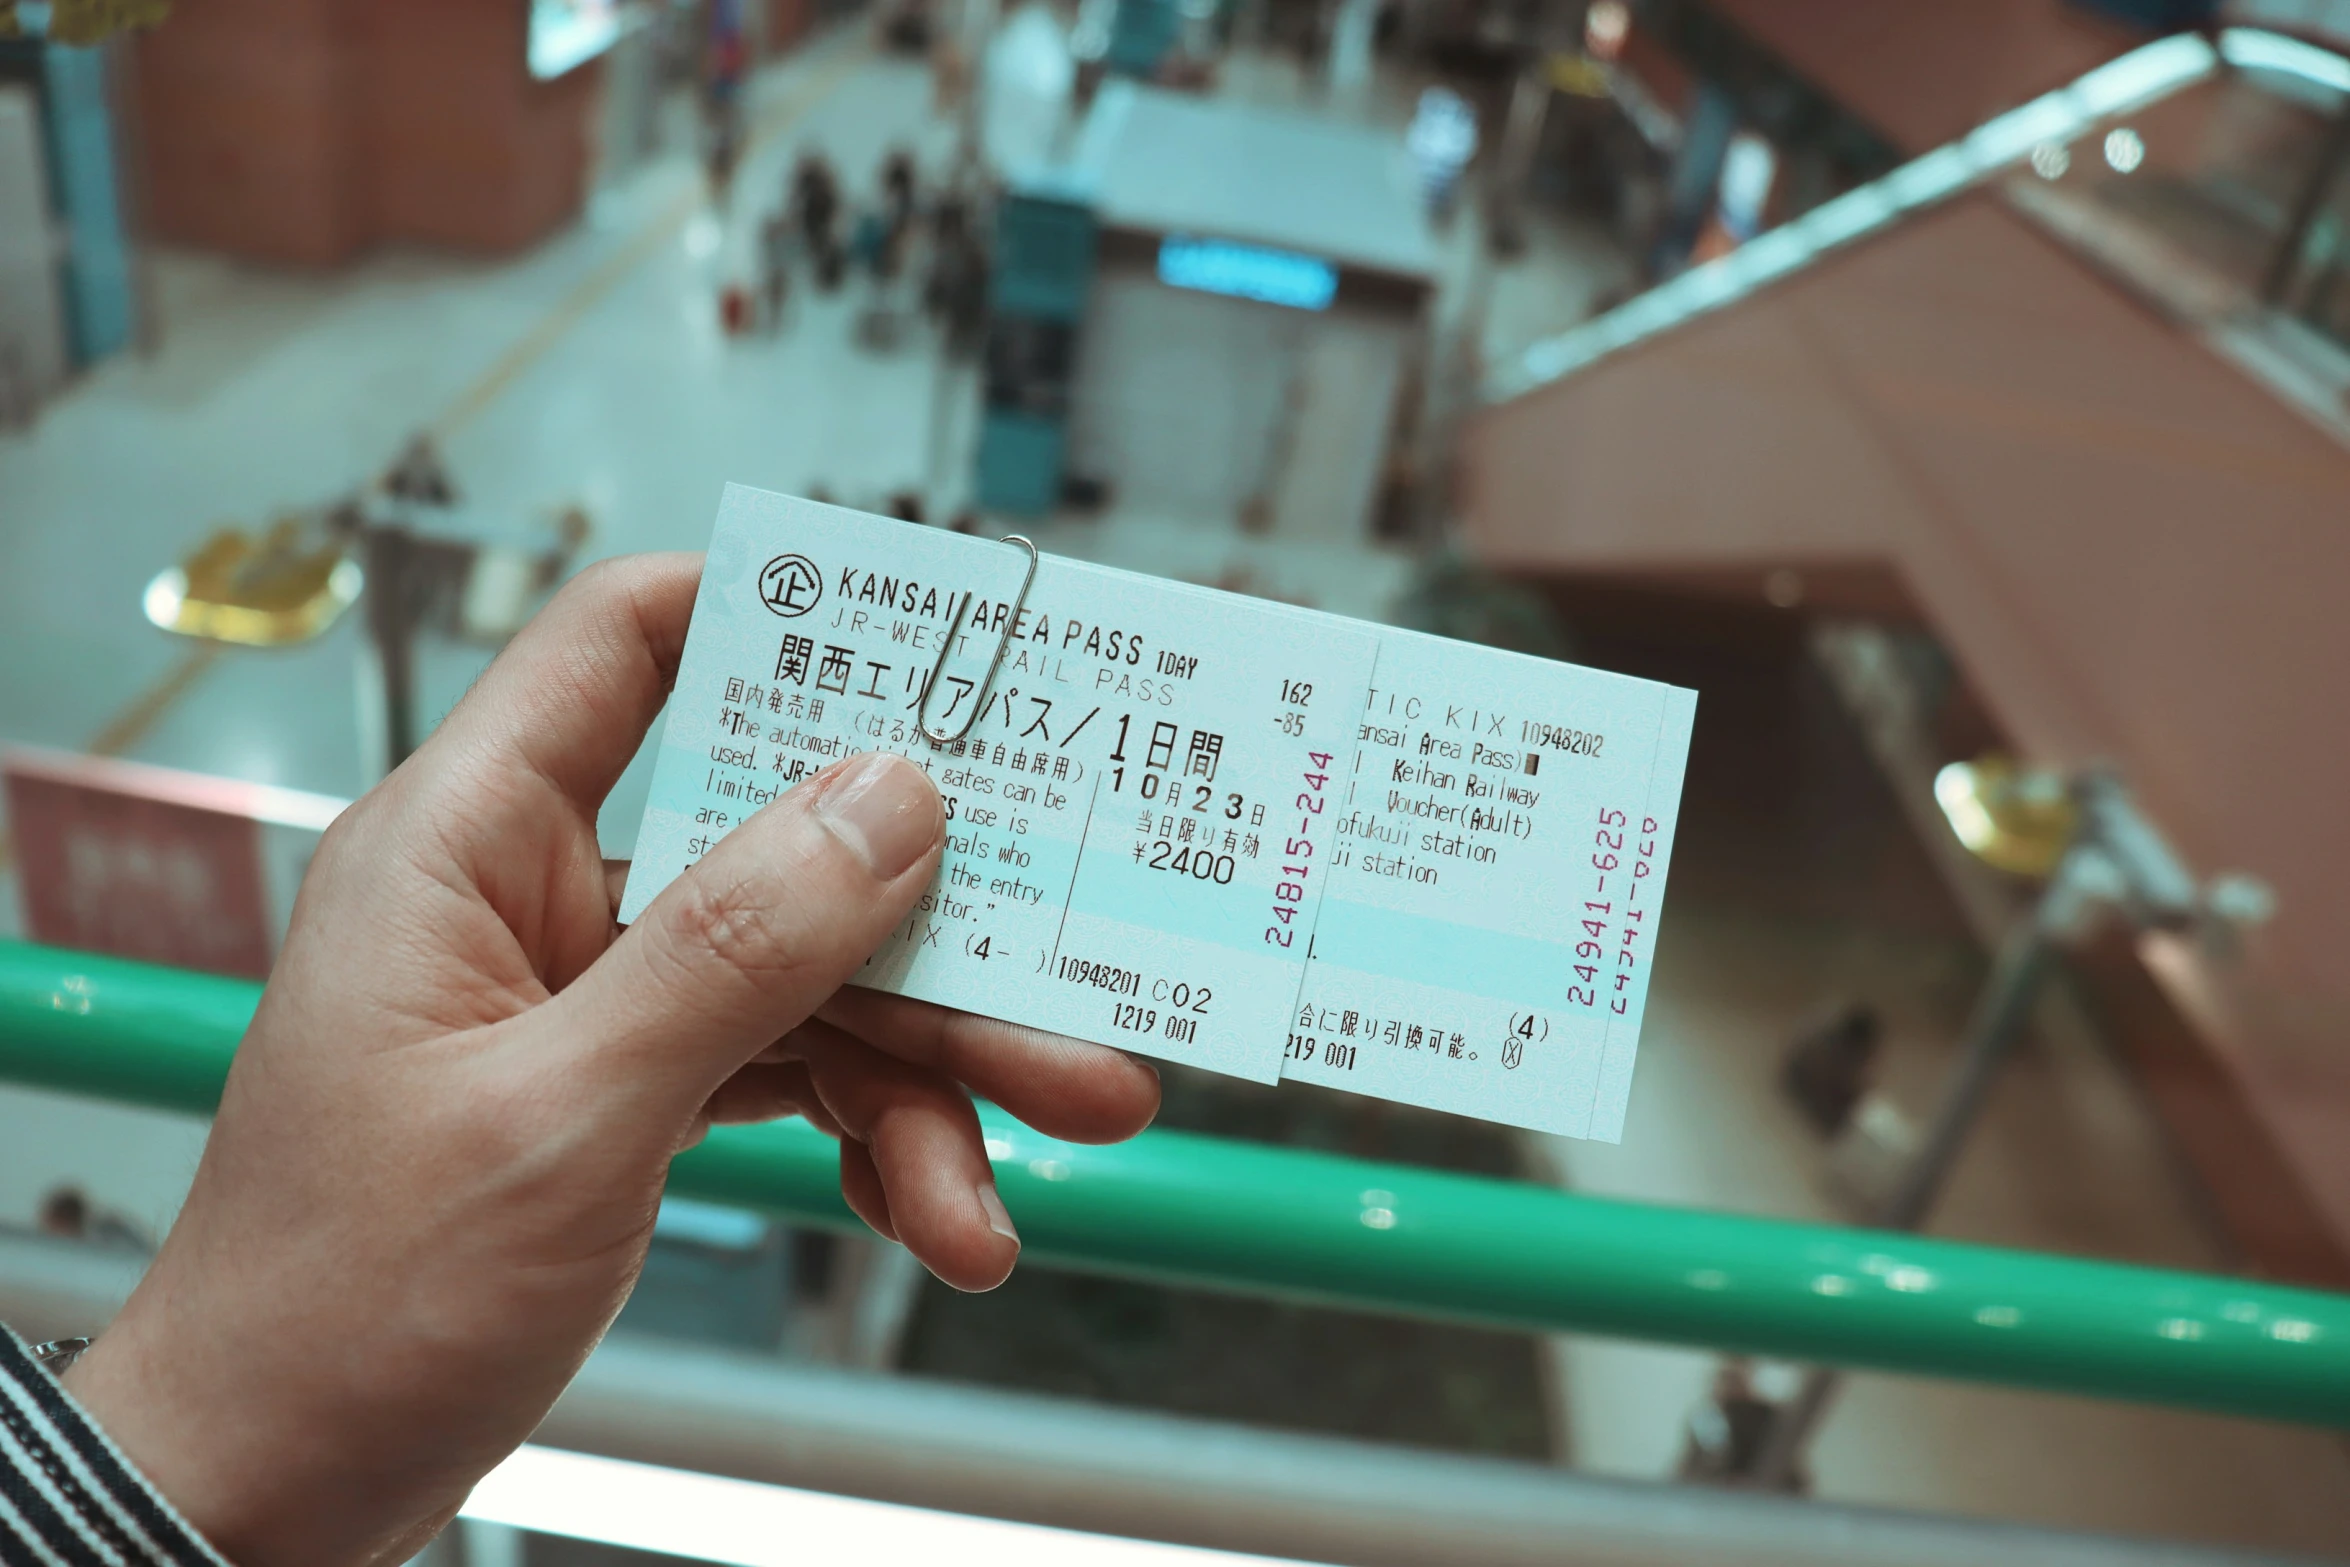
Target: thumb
x=749, y=941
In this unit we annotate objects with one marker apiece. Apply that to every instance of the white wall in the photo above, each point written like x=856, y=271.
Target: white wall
x=1341, y=414
x=1179, y=395
x=1198, y=405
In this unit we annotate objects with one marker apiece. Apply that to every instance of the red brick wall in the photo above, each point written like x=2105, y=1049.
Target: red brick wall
x=243, y=111
x=303, y=132
x=463, y=148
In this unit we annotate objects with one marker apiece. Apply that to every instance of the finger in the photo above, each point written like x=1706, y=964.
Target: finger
x=1063, y=1087
x=615, y=884
x=926, y=1148
x=572, y=695
x=805, y=1101
x=860, y=1188
x=742, y=946
x=764, y=1092
x=818, y=1114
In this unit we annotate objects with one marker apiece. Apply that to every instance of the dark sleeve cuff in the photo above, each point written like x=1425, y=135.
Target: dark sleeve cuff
x=68, y=1498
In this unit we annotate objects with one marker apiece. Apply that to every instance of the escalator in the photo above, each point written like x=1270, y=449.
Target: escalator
x=2065, y=396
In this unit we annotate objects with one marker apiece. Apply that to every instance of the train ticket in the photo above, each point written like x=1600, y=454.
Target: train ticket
x=1138, y=791
x=1241, y=835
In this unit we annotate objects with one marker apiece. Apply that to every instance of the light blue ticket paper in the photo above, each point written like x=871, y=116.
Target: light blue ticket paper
x=1139, y=801
x=1498, y=872
x=1240, y=835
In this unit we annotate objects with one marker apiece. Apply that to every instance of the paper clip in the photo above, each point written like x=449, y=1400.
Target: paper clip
x=1003, y=640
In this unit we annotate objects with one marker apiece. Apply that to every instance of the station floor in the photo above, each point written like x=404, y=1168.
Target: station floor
x=592, y=371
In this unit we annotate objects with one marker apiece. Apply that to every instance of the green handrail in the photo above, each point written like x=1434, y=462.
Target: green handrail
x=1203, y=1211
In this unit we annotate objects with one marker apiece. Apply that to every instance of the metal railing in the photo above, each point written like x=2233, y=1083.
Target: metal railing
x=1202, y=1211
x=1077, y=1464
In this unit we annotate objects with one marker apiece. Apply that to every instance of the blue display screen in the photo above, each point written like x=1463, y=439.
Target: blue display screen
x=1218, y=266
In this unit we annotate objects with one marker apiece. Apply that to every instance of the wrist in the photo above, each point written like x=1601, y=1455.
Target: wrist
x=191, y=1452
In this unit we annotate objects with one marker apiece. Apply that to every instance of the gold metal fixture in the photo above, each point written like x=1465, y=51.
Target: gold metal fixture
x=286, y=586
x=2014, y=818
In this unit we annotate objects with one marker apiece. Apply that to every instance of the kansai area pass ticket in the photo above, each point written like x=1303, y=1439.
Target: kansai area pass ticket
x=1240, y=835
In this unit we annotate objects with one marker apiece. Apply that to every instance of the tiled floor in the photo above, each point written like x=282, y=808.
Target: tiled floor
x=272, y=391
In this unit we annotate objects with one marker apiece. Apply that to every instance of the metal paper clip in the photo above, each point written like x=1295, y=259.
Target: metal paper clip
x=979, y=697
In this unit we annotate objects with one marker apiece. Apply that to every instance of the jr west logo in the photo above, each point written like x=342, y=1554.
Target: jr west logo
x=790, y=585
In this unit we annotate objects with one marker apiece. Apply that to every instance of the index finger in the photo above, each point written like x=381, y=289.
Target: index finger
x=571, y=697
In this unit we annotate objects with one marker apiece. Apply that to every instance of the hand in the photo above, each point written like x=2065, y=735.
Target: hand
x=436, y=1164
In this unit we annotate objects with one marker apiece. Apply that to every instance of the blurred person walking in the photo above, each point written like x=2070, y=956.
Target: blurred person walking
x=725, y=61
x=815, y=208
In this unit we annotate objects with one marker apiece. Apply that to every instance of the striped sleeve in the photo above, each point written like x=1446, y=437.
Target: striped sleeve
x=68, y=1498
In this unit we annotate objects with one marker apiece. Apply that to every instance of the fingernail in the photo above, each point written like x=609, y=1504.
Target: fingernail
x=885, y=810
x=997, y=1219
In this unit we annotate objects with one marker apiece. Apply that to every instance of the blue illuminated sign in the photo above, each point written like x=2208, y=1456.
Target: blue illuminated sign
x=1217, y=266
